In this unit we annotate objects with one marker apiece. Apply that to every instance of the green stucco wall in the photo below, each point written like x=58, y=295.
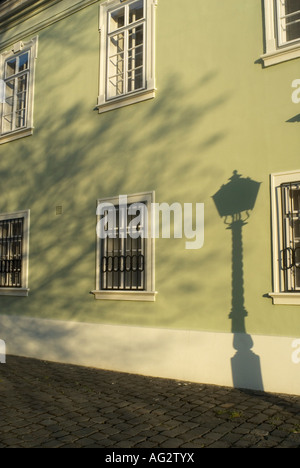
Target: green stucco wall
x=216, y=110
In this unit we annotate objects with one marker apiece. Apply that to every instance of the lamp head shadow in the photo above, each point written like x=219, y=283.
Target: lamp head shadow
x=236, y=198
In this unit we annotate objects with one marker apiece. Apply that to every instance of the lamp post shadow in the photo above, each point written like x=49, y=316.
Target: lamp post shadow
x=234, y=201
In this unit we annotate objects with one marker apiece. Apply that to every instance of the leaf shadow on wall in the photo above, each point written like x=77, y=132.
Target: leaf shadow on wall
x=234, y=200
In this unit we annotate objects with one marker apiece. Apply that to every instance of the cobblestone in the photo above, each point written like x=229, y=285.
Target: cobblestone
x=51, y=405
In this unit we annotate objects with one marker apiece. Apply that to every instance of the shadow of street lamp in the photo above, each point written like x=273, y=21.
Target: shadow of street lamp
x=234, y=201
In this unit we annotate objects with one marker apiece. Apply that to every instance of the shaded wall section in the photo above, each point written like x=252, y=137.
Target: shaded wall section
x=215, y=111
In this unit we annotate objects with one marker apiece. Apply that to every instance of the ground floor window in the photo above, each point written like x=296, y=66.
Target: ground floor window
x=285, y=190
x=125, y=248
x=14, y=240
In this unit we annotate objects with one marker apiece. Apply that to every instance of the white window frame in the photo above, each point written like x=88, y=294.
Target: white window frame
x=279, y=295
x=148, y=90
x=148, y=294
x=16, y=50
x=277, y=48
x=23, y=290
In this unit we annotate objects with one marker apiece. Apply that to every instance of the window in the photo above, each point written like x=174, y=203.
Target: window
x=285, y=190
x=16, y=91
x=127, y=53
x=14, y=245
x=125, y=249
x=282, y=30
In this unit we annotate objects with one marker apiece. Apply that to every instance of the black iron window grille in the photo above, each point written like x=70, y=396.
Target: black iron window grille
x=290, y=248
x=11, y=248
x=123, y=255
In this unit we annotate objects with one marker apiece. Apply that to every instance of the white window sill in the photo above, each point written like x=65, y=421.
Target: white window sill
x=5, y=138
x=287, y=298
x=125, y=100
x=14, y=291
x=281, y=55
x=145, y=296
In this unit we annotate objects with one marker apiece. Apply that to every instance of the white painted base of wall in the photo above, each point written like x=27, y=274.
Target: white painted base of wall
x=268, y=363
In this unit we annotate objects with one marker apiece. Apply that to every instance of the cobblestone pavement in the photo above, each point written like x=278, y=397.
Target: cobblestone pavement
x=45, y=404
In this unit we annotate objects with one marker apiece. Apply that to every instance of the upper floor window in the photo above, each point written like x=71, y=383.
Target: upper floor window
x=285, y=190
x=16, y=91
x=14, y=245
x=127, y=53
x=282, y=31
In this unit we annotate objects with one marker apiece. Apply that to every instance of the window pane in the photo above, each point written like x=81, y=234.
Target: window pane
x=136, y=36
x=292, y=9
x=10, y=68
x=136, y=11
x=21, y=118
x=295, y=199
x=115, y=86
x=117, y=19
x=116, y=66
x=296, y=227
x=21, y=101
x=7, y=123
x=23, y=62
x=135, y=80
x=135, y=58
x=297, y=265
x=9, y=96
x=116, y=45
x=22, y=83
x=7, y=119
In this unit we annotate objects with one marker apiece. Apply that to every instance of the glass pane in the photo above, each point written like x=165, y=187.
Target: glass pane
x=17, y=227
x=22, y=83
x=293, y=29
x=21, y=118
x=23, y=62
x=297, y=278
x=21, y=101
x=292, y=8
x=297, y=265
x=135, y=80
x=295, y=199
x=117, y=19
x=116, y=66
x=136, y=11
x=7, y=123
x=9, y=96
x=135, y=58
x=10, y=68
x=136, y=36
x=296, y=227
x=115, y=86
x=297, y=253
x=116, y=45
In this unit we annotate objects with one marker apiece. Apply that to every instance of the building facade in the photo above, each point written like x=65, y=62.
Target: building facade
x=150, y=175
